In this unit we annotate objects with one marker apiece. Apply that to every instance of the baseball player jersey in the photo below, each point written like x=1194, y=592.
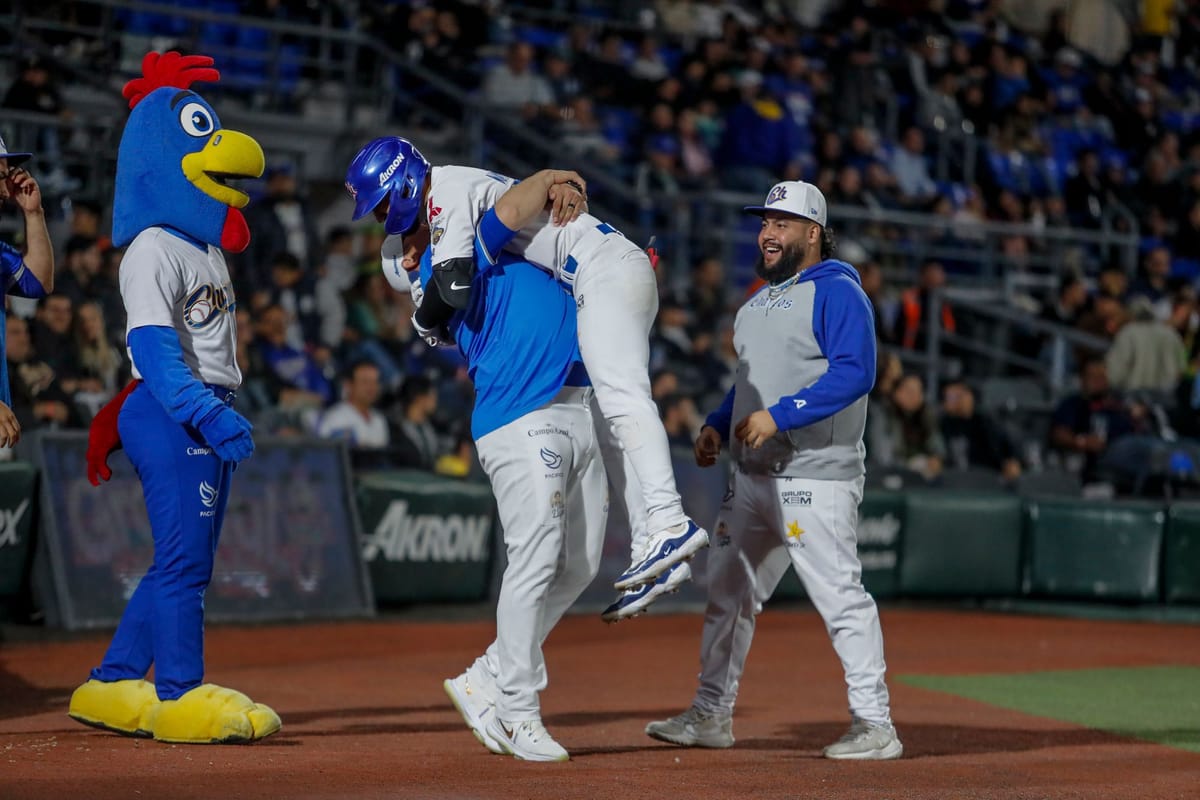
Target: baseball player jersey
x=17, y=280
x=806, y=353
x=518, y=336
x=458, y=198
x=170, y=282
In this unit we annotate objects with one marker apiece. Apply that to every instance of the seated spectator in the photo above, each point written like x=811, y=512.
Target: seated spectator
x=871, y=276
x=37, y=397
x=706, y=293
x=79, y=269
x=911, y=169
x=695, y=157
x=581, y=135
x=1069, y=302
x=680, y=420
x=51, y=334
x=648, y=66
x=663, y=383
x=282, y=221
x=658, y=174
x=1146, y=354
x=1087, y=422
x=302, y=383
x=902, y=431
x=1154, y=281
x=95, y=367
x=514, y=85
x=972, y=439
x=760, y=145
x=1085, y=192
x=912, y=324
x=670, y=342
x=356, y=419
x=849, y=188
x=417, y=443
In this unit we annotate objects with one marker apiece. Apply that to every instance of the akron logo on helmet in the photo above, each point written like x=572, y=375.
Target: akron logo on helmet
x=204, y=305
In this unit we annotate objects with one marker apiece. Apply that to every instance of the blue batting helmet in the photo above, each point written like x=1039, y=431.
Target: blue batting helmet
x=389, y=167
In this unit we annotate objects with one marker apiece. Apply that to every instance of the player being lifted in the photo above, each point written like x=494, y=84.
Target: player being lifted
x=616, y=297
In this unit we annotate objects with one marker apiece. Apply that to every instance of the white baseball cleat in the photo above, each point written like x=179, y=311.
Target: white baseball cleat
x=636, y=600
x=663, y=550
x=527, y=740
x=867, y=741
x=694, y=728
x=476, y=706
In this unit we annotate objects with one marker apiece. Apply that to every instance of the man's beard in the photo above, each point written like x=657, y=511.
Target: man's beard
x=787, y=265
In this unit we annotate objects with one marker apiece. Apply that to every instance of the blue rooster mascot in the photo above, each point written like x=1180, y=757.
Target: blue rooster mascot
x=175, y=211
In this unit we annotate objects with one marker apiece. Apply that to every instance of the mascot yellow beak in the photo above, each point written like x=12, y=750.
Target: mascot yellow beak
x=228, y=154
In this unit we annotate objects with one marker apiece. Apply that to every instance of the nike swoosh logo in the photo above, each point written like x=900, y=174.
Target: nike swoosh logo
x=454, y=285
x=507, y=731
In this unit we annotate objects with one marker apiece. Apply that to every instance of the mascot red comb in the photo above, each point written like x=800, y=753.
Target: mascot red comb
x=175, y=211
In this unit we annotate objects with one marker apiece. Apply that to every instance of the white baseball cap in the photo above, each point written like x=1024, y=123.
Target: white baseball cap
x=13, y=158
x=796, y=198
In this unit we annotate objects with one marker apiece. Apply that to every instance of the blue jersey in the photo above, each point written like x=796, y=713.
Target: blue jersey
x=517, y=334
x=16, y=279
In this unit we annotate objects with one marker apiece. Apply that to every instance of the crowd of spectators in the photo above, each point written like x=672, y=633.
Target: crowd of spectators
x=871, y=102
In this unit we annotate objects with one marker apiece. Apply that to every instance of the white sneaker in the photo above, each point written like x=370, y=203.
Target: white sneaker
x=694, y=728
x=636, y=600
x=866, y=741
x=663, y=550
x=528, y=740
x=477, y=707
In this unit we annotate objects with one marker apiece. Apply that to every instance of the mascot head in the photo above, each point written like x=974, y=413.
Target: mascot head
x=174, y=159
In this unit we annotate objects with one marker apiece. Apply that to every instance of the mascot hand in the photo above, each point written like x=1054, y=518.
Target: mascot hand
x=228, y=433
x=103, y=437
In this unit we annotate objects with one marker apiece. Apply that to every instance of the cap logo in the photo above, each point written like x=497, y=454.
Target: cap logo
x=777, y=194
x=813, y=211
x=387, y=174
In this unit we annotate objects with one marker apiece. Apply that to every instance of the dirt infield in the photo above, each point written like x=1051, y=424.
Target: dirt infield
x=365, y=717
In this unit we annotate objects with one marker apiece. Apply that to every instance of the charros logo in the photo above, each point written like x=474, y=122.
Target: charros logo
x=401, y=536
x=387, y=174
x=205, y=303
x=778, y=193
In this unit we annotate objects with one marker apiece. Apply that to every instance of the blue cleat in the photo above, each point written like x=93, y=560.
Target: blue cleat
x=636, y=600
x=666, y=548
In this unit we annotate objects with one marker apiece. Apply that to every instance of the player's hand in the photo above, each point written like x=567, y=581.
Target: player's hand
x=707, y=447
x=24, y=190
x=228, y=434
x=566, y=203
x=755, y=429
x=10, y=429
x=428, y=334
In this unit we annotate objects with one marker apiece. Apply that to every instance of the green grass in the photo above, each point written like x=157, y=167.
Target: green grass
x=1156, y=704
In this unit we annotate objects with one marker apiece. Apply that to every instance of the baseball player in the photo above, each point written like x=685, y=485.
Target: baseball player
x=794, y=420
x=31, y=275
x=615, y=293
x=535, y=435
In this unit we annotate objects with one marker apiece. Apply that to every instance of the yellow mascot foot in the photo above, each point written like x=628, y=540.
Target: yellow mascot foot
x=119, y=706
x=212, y=714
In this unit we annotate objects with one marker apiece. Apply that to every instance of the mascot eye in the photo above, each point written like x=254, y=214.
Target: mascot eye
x=196, y=120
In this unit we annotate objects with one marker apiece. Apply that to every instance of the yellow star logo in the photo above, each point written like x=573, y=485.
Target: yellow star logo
x=794, y=530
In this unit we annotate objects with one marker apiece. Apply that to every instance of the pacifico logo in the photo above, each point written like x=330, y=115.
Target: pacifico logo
x=387, y=174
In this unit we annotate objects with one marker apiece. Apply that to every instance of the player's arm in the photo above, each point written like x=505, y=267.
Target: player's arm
x=722, y=419
x=564, y=191
x=844, y=326
x=39, y=255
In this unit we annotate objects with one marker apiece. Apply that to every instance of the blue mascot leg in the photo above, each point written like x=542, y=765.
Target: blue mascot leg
x=183, y=483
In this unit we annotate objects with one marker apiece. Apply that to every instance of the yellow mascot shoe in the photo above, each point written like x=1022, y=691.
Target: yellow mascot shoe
x=119, y=706
x=211, y=714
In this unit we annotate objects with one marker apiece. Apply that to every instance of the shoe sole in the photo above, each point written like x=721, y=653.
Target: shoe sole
x=641, y=605
x=481, y=735
x=686, y=741
x=140, y=733
x=893, y=751
x=509, y=750
x=684, y=552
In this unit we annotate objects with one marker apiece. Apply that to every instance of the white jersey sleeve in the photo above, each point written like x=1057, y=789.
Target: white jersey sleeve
x=168, y=282
x=458, y=199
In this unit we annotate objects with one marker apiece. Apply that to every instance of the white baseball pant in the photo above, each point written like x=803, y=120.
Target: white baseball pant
x=552, y=498
x=617, y=300
x=765, y=524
